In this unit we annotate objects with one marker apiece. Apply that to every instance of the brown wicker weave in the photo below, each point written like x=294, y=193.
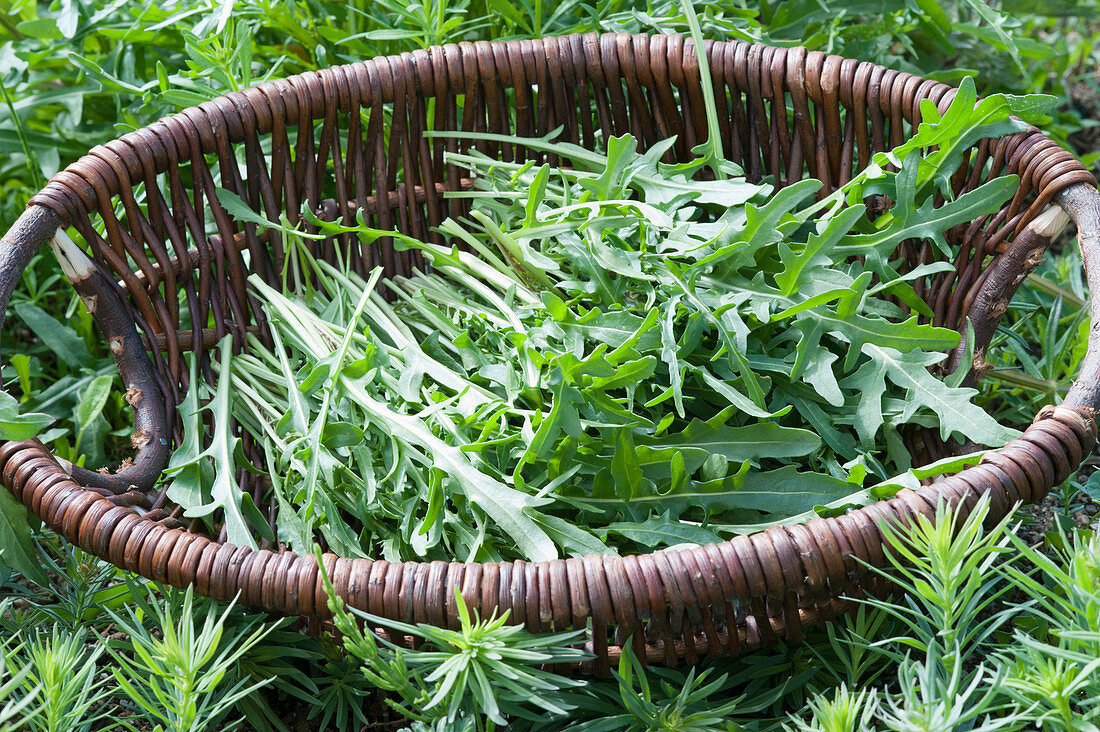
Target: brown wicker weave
x=329, y=148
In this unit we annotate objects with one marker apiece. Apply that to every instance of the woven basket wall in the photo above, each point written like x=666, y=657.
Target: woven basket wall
x=352, y=138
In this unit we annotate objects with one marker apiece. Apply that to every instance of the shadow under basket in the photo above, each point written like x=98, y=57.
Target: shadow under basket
x=351, y=138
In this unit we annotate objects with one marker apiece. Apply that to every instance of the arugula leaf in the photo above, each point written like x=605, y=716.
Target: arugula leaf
x=957, y=415
x=798, y=265
x=660, y=531
x=927, y=221
x=506, y=506
x=785, y=491
x=189, y=474
x=239, y=513
x=617, y=351
x=754, y=441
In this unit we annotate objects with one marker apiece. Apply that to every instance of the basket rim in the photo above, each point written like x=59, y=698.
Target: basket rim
x=761, y=581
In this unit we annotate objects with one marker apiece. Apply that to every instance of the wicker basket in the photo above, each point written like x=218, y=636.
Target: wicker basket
x=352, y=137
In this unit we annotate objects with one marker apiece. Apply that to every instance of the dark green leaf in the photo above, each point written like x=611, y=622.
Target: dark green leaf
x=16, y=545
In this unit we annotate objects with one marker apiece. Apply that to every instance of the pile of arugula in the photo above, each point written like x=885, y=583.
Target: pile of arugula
x=614, y=354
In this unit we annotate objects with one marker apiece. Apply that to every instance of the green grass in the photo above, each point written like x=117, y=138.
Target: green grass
x=993, y=635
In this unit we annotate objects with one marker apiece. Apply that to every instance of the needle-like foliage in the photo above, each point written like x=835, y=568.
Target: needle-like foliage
x=173, y=670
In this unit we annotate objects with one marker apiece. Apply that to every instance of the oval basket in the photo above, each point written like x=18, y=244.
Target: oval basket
x=351, y=138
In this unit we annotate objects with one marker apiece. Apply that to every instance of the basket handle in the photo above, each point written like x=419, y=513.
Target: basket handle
x=1082, y=202
x=38, y=225
x=31, y=230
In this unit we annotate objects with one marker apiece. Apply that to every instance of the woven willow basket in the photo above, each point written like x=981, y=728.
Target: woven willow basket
x=352, y=138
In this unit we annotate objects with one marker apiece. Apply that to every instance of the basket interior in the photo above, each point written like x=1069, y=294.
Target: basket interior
x=352, y=139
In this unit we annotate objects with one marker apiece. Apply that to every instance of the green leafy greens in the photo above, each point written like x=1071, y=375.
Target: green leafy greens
x=609, y=354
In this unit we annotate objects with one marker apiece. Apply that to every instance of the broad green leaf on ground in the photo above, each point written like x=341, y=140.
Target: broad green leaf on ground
x=93, y=400
x=16, y=545
x=65, y=344
x=16, y=426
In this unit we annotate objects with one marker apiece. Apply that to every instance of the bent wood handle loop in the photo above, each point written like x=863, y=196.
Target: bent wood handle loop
x=1082, y=203
x=27, y=235
x=997, y=287
x=35, y=227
